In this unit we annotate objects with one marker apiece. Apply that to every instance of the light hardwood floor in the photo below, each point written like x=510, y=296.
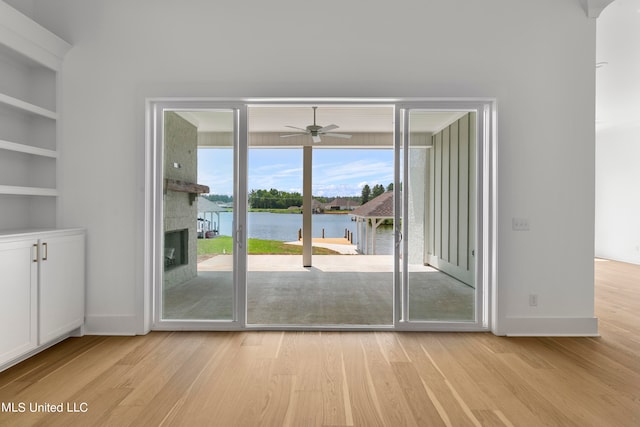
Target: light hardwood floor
x=339, y=379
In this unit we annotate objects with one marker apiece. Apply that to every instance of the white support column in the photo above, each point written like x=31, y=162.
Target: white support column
x=366, y=236
x=375, y=223
x=307, y=164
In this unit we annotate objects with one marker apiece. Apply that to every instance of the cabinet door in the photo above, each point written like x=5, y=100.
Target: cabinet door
x=18, y=304
x=61, y=280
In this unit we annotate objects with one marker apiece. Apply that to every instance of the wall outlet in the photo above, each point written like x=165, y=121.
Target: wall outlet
x=533, y=300
x=520, y=224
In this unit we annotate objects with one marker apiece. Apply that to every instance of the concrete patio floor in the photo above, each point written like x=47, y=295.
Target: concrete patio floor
x=336, y=290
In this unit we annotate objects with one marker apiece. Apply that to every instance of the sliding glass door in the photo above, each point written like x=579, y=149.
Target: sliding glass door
x=250, y=194
x=199, y=242
x=440, y=246
x=440, y=219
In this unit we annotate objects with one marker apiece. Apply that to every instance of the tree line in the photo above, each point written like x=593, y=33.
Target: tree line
x=278, y=199
x=273, y=199
x=219, y=198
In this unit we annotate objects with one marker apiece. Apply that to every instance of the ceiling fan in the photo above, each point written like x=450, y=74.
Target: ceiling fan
x=315, y=130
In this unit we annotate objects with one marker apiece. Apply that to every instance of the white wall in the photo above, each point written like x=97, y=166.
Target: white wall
x=617, y=226
x=536, y=58
x=618, y=194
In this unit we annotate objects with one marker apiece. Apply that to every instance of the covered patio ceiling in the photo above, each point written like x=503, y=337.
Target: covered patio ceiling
x=371, y=126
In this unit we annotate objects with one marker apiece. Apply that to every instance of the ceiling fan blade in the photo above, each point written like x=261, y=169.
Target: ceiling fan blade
x=292, y=134
x=316, y=138
x=328, y=128
x=297, y=128
x=338, y=135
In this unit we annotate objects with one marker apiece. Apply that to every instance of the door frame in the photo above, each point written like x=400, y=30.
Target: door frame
x=486, y=209
x=154, y=215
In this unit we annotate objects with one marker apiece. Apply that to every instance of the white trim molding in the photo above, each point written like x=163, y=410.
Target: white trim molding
x=22, y=34
x=594, y=8
x=486, y=230
x=111, y=325
x=552, y=326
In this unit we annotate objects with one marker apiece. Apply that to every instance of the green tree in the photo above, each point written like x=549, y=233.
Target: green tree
x=366, y=194
x=273, y=199
x=219, y=198
x=378, y=189
x=390, y=187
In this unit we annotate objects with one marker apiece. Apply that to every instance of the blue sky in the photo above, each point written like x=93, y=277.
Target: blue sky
x=340, y=172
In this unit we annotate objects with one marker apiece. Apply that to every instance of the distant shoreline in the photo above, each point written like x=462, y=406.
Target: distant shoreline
x=297, y=211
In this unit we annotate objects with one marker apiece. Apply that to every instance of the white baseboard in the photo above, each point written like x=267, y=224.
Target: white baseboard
x=111, y=325
x=551, y=326
x=511, y=326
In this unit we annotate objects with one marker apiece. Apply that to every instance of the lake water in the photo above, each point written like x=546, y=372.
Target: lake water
x=284, y=227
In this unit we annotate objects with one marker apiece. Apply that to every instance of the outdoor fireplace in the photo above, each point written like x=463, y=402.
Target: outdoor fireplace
x=176, y=248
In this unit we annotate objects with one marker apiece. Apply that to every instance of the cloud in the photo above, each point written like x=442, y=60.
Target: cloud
x=375, y=171
x=278, y=177
x=335, y=172
x=332, y=190
x=217, y=183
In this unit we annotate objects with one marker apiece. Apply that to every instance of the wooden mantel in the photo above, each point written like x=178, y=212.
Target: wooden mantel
x=185, y=187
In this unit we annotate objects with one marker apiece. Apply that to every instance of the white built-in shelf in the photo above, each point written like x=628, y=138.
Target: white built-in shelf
x=28, y=191
x=27, y=107
x=28, y=38
x=30, y=59
x=28, y=149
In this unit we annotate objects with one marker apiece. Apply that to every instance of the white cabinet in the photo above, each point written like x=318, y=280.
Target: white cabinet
x=30, y=59
x=18, y=305
x=60, y=285
x=42, y=286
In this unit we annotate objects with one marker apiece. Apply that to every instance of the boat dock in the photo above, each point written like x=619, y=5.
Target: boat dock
x=338, y=244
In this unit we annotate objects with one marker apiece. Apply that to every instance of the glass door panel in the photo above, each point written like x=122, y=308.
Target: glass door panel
x=440, y=218
x=318, y=254
x=198, y=272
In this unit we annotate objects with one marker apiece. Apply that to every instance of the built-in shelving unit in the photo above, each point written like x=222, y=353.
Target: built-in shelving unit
x=30, y=61
x=26, y=107
x=41, y=267
x=22, y=148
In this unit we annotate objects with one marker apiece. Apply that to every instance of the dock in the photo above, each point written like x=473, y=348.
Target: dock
x=338, y=244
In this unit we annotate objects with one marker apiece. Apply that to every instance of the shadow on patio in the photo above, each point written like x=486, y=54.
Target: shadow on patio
x=338, y=290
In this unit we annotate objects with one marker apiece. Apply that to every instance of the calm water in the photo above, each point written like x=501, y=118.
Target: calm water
x=284, y=227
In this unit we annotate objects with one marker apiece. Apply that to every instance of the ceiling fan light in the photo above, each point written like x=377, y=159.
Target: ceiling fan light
x=315, y=130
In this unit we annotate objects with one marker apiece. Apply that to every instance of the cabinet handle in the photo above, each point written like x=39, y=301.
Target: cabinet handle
x=35, y=259
x=46, y=251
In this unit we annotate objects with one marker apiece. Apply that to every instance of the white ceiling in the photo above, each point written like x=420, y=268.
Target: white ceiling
x=355, y=119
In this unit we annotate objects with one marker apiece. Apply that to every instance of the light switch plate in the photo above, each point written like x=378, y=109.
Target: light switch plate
x=520, y=224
